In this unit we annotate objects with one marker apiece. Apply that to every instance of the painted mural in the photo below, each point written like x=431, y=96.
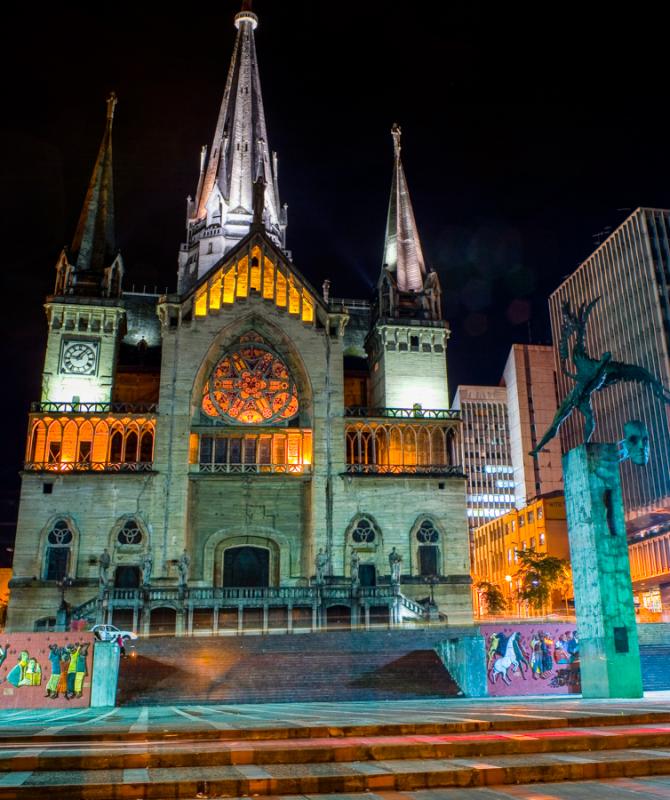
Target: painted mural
x=531, y=659
x=39, y=670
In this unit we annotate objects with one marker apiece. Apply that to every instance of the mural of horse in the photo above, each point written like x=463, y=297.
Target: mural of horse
x=512, y=658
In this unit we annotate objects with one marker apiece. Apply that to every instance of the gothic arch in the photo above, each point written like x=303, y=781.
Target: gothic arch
x=45, y=542
x=367, y=541
x=426, y=532
x=275, y=338
x=124, y=547
x=276, y=543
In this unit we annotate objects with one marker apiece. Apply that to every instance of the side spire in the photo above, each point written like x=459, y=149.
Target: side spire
x=92, y=267
x=403, y=255
x=223, y=210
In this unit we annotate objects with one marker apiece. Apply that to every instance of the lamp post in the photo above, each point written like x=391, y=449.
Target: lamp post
x=61, y=615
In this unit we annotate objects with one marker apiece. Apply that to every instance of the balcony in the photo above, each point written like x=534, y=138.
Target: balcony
x=403, y=442
x=90, y=438
x=257, y=453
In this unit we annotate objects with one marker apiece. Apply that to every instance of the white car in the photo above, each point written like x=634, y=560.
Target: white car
x=110, y=633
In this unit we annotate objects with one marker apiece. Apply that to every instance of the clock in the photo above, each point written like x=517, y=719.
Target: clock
x=79, y=358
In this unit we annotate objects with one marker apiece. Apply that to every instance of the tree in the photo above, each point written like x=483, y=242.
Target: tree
x=491, y=597
x=539, y=574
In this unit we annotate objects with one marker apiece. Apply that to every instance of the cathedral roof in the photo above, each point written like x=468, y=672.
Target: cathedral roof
x=403, y=255
x=240, y=153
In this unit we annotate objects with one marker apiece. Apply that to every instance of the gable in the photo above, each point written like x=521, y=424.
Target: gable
x=255, y=267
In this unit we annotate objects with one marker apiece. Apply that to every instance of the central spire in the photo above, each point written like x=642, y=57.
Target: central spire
x=223, y=210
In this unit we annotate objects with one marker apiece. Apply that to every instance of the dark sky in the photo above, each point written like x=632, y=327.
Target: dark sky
x=526, y=130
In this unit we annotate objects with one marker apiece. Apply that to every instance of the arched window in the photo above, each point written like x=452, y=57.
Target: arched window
x=130, y=532
x=131, y=448
x=147, y=447
x=116, y=447
x=364, y=532
x=428, y=538
x=58, y=550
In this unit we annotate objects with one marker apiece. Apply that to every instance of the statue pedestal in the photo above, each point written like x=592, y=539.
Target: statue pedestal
x=606, y=623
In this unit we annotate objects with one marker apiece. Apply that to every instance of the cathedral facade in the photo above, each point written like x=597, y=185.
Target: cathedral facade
x=247, y=453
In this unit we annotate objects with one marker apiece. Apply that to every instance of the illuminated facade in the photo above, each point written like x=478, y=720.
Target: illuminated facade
x=247, y=420
x=541, y=525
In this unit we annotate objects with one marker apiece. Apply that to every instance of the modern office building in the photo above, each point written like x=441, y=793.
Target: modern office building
x=487, y=454
x=529, y=378
x=541, y=525
x=209, y=460
x=630, y=273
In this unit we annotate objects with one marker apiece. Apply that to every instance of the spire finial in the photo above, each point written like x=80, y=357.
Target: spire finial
x=111, y=105
x=395, y=133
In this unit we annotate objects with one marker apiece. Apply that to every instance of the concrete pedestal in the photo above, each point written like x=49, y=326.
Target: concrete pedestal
x=105, y=674
x=608, y=645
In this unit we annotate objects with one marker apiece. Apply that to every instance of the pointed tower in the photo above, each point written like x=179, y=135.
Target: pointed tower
x=86, y=313
x=223, y=210
x=91, y=267
x=407, y=345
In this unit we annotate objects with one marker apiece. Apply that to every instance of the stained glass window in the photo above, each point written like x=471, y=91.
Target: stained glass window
x=251, y=385
x=363, y=533
x=427, y=533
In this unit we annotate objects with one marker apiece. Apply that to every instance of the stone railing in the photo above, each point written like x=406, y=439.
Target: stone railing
x=418, y=469
x=89, y=466
x=403, y=413
x=94, y=408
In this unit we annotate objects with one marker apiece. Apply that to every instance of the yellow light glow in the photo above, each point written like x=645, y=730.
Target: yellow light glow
x=243, y=277
x=268, y=279
x=307, y=306
x=201, y=304
x=281, y=289
x=229, y=286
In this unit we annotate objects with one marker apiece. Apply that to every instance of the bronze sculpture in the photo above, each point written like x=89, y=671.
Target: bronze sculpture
x=591, y=374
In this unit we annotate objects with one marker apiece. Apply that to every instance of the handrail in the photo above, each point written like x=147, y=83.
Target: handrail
x=89, y=466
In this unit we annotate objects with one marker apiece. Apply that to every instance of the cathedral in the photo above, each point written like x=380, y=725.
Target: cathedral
x=248, y=453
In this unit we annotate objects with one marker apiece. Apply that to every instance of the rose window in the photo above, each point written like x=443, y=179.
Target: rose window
x=251, y=385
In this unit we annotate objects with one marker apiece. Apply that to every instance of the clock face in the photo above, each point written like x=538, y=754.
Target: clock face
x=79, y=358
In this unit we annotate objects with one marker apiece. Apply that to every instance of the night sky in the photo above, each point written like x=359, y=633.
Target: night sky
x=527, y=130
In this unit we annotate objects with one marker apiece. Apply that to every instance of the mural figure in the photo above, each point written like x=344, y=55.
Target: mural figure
x=591, y=374
x=513, y=658
x=183, y=567
x=395, y=560
x=3, y=655
x=27, y=671
x=54, y=678
x=321, y=566
x=541, y=663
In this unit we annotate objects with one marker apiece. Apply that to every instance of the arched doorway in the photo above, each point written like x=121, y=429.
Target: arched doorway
x=338, y=617
x=246, y=566
x=163, y=622
x=127, y=577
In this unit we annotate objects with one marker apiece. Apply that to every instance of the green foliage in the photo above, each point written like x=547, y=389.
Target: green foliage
x=492, y=597
x=539, y=574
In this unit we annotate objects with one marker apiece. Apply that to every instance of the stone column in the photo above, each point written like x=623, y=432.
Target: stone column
x=608, y=647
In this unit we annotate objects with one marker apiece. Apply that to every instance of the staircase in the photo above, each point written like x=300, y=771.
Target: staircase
x=338, y=665
x=210, y=756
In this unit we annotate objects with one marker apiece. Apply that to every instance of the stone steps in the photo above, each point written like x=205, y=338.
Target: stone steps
x=492, y=746
x=184, y=753
x=338, y=777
